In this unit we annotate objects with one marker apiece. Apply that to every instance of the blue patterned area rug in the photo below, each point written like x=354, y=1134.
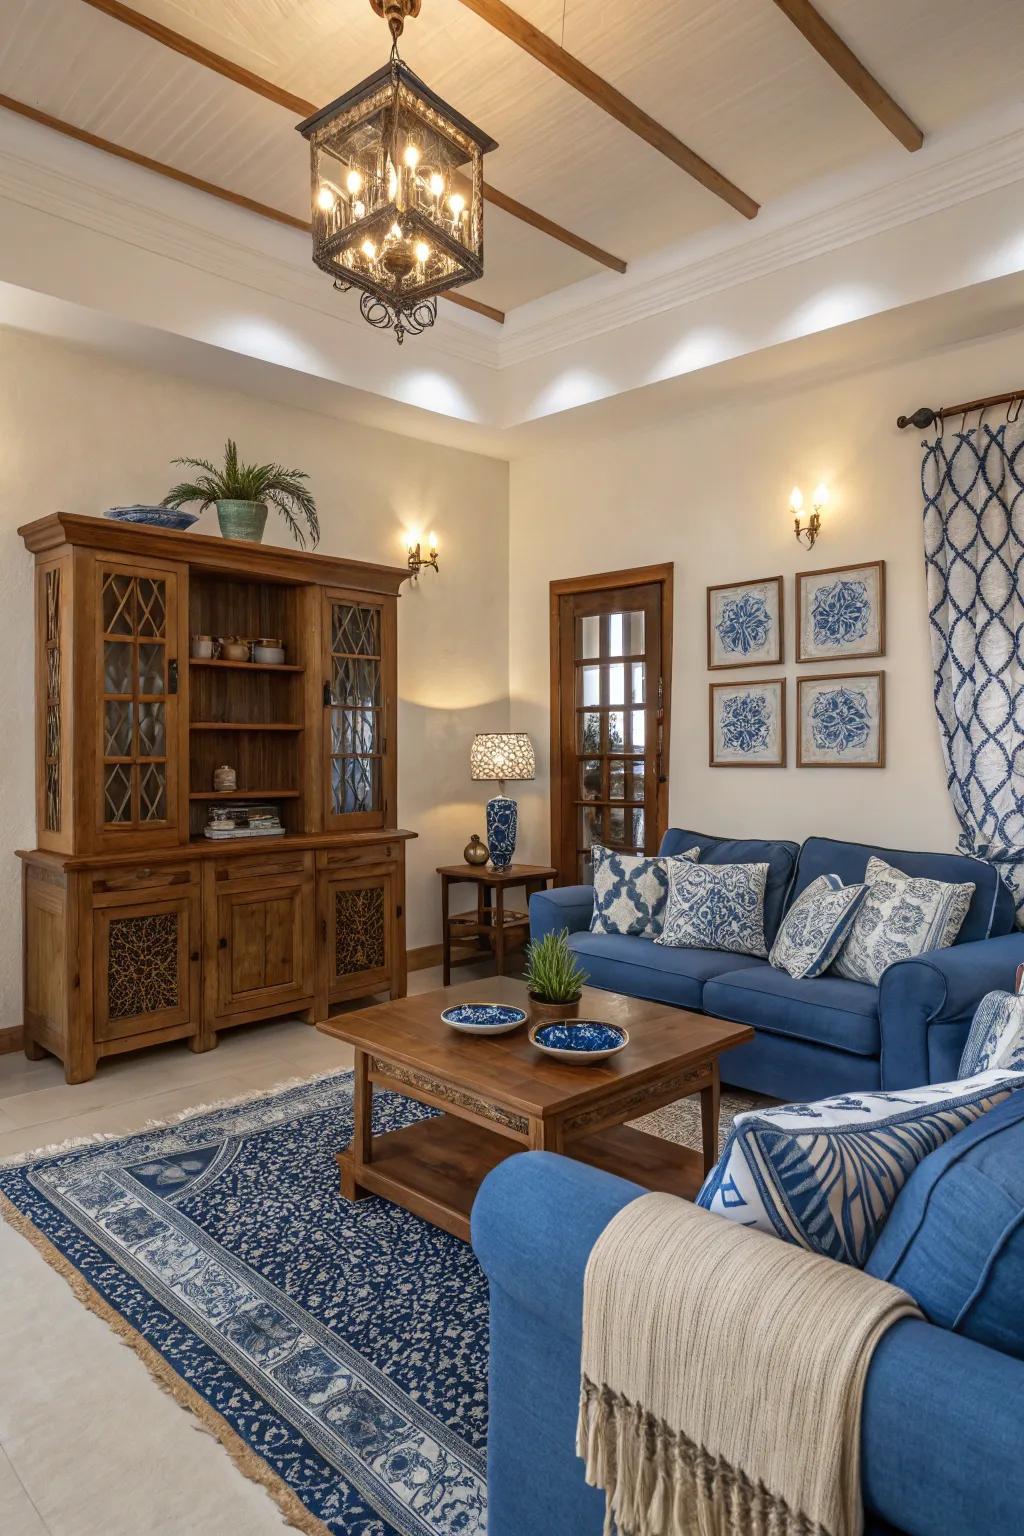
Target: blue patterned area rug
x=338, y=1351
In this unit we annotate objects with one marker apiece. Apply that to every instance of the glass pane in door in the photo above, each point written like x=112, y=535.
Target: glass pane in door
x=134, y=683
x=356, y=717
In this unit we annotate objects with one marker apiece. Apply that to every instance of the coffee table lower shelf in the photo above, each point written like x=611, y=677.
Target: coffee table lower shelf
x=435, y=1167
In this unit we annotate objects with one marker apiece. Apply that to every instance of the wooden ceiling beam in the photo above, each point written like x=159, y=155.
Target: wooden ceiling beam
x=160, y=168
x=179, y=43
x=568, y=68
x=827, y=42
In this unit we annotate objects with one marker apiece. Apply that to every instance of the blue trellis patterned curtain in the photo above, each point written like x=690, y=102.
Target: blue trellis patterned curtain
x=973, y=483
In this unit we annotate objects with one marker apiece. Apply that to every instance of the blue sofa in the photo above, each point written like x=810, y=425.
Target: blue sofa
x=944, y=1400
x=828, y=1035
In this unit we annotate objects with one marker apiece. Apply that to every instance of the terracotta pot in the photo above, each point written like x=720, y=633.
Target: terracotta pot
x=552, y=1013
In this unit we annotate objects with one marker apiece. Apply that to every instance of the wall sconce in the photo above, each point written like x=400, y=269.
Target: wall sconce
x=417, y=561
x=809, y=532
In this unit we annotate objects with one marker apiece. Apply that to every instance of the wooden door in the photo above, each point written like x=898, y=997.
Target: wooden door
x=360, y=716
x=146, y=967
x=611, y=645
x=358, y=916
x=138, y=620
x=264, y=945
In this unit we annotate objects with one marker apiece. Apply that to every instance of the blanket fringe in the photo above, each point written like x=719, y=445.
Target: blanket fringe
x=209, y=1420
x=657, y=1482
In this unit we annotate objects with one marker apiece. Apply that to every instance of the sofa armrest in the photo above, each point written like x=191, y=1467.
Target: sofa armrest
x=925, y=1006
x=567, y=906
x=535, y=1219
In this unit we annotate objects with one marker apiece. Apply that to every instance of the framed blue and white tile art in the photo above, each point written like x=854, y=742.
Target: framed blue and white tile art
x=841, y=720
x=745, y=624
x=747, y=724
x=840, y=613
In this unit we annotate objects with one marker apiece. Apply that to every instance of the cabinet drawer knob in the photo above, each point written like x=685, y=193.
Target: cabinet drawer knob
x=222, y=943
x=194, y=956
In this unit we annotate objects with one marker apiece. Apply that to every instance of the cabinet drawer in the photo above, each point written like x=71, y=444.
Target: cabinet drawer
x=143, y=877
x=356, y=858
x=262, y=866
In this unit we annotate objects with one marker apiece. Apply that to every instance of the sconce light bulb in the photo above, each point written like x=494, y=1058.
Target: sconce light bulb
x=796, y=500
x=820, y=496
x=411, y=156
x=354, y=182
x=432, y=543
x=422, y=251
x=325, y=199
x=456, y=203
x=437, y=184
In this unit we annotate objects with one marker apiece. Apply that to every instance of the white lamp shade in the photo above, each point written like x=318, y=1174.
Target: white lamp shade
x=502, y=755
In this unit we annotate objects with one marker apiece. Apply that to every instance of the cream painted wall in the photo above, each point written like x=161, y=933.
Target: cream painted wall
x=79, y=433
x=710, y=493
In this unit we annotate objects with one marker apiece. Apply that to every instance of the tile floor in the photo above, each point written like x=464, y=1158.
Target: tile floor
x=89, y=1446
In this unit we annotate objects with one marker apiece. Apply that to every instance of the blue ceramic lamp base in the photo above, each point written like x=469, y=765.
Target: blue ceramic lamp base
x=502, y=825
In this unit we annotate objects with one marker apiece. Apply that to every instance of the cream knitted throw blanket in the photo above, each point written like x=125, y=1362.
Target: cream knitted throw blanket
x=723, y=1373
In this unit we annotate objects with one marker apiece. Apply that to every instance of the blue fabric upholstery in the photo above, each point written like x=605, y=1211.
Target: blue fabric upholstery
x=642, y=968
x=825, y=1010
x=567, y=906
x=780, y=857
x=940, y=1432
x=965, y=1275
x=791, y=1069
x=991, y=910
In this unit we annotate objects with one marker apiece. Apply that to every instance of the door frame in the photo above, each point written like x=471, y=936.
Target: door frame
x=639, y=576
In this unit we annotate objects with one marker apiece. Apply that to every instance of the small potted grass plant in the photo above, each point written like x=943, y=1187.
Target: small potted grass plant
x=241, y=492
x=554, y=979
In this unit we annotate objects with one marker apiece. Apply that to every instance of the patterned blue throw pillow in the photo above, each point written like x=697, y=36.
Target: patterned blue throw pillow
x=825, y=1176
x=997, y=1035
x=902, y=915
x=815, y=926
x=716, y=906
x=630, y=891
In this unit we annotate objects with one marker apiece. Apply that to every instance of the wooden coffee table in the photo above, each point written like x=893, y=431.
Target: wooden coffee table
x=501, y=1095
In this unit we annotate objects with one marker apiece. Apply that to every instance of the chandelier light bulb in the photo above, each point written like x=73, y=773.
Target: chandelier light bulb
x=354, y=182
x=358, y=210
x=437, y=184
x=796, y=500
x=395, y=232
x=457, y=203
x=392, y=182
x=325, y=199
x=411, y=156
x=422, y=251
x=369, y=250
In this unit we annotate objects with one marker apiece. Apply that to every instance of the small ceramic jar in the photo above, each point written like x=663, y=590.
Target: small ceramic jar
x=234, y=649
x=268, y=652
x=202, y=647
x=225, y=778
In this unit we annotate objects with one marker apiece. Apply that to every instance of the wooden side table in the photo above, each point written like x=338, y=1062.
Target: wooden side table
x=492, y=921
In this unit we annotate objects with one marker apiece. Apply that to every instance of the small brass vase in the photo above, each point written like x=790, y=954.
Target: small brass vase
x=475, y=852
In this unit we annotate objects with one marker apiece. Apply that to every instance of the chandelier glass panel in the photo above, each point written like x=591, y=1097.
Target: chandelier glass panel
x=397, y=196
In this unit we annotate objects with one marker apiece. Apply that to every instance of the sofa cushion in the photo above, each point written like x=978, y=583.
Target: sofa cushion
x=815, y=927
x=718, y=907
x=955, y=1237
x=630, y=891
x=997, y=1035
x=641, y=968
x=826, y=1010
x=826, y=1175
x=902, y=916
x=991, y=910
x=780, y=857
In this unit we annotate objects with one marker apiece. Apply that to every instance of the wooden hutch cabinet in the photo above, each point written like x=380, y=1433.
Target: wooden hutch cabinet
x=137, y=928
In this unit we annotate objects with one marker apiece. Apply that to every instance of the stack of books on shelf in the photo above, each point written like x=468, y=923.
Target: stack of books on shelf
x=224, y=822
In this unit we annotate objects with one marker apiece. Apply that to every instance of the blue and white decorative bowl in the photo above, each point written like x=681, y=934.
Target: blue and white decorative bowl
x=153, y=517
x=583, y=1040
x=484, y=1018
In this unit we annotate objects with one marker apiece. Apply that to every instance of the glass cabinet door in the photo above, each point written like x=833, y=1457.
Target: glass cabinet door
x=137, y=732
x=356, y=708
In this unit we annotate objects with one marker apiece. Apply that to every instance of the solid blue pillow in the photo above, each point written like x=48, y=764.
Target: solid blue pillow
x=780, y=857
x=955, y=1237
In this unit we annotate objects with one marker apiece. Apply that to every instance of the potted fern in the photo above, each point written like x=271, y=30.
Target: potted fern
x=554, y=979
x=241, y=492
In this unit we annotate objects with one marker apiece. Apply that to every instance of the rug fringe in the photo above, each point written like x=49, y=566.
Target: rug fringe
x=244, y=1457
x=73, y=1143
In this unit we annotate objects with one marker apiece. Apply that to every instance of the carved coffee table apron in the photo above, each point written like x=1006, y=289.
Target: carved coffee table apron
x=499, y=1095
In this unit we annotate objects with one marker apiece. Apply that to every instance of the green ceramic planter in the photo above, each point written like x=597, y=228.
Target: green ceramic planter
x=242, y=519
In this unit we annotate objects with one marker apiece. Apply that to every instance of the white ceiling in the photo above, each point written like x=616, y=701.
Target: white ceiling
x=732, y=78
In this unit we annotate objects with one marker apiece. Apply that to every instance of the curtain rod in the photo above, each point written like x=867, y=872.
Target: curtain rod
x=924, y=416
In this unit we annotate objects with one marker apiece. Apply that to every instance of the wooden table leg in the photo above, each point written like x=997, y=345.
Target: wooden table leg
x=546, y=1136
x=360, y=1149
x=499, y=928
x=446, y=935
x=710, y=1105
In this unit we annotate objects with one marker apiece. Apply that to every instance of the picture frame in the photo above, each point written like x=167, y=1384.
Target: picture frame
x=840, y=613
x=746, y=624
x=747, y=724
x=840, y=720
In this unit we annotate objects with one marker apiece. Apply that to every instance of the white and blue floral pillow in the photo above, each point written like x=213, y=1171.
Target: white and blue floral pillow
x=716, y=906
x=825, y=1176
x=901, y=916
x=997, y=1035
x=814, y=928
x=630, y=891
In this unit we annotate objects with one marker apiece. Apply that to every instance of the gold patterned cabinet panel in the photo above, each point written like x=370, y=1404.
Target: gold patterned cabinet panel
x=146, y=968
x=356, y=941
x=263, y=945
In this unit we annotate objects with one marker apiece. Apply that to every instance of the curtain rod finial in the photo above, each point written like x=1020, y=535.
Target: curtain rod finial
x=922, y=417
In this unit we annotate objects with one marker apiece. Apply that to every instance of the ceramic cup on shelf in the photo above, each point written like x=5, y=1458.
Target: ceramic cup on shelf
x=202, y=647
x=234, y=649
x=268, y=652
x=225, y=778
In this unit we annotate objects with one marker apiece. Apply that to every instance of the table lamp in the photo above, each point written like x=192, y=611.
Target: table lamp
x=502, y=755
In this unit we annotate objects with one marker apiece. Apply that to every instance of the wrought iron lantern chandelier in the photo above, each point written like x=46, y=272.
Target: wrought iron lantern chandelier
x=397, y=184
